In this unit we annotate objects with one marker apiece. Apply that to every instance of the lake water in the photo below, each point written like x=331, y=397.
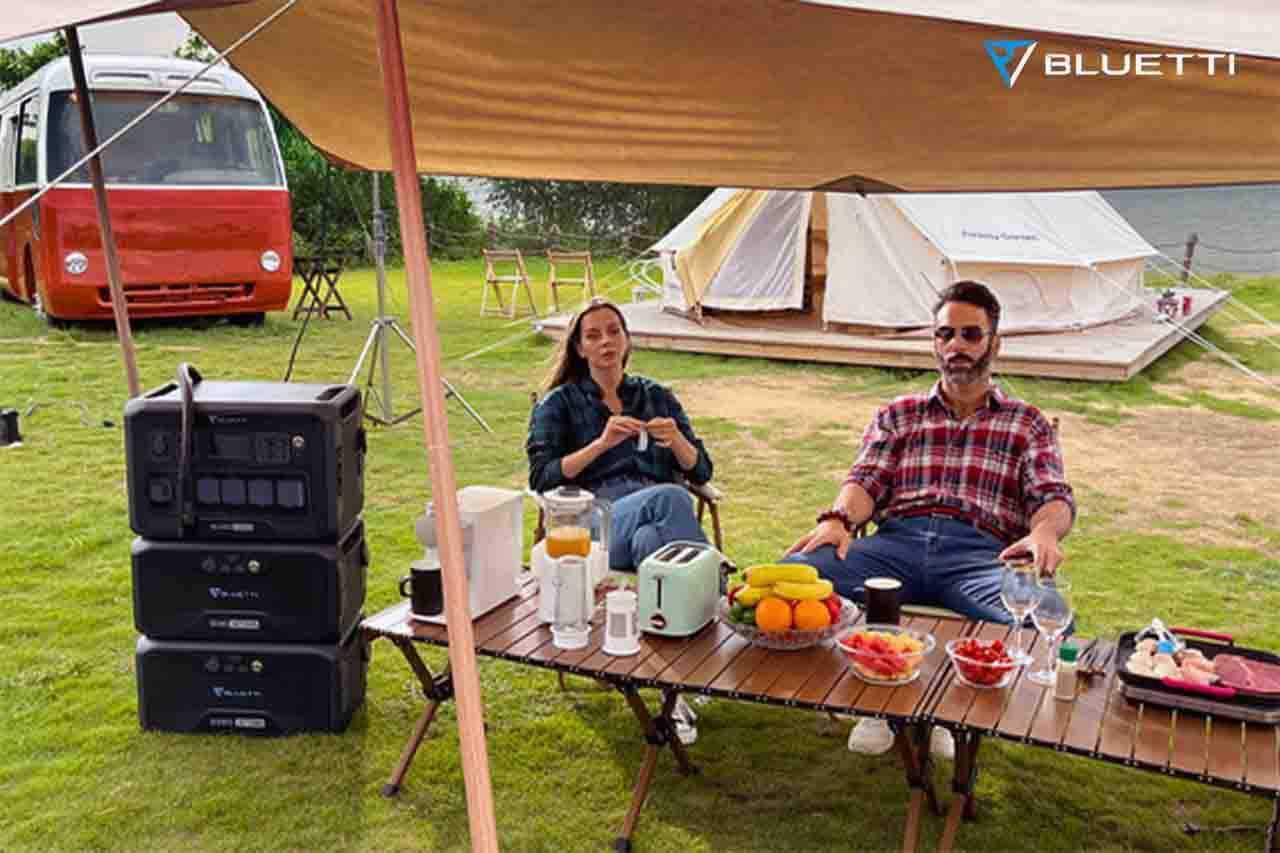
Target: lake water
x=1238, y=227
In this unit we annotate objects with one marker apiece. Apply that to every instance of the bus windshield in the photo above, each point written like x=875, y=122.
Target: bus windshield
x=191, y=140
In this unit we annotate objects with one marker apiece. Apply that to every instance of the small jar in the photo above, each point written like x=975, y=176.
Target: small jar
x=1065, y=686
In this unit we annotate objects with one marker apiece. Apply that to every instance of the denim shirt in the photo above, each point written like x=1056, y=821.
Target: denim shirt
x=574, y=415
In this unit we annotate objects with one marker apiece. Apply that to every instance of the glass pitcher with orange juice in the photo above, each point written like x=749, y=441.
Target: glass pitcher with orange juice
x=570, y=513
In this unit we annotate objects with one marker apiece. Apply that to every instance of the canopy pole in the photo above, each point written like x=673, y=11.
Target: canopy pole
x=119, y=307
x=462, y=654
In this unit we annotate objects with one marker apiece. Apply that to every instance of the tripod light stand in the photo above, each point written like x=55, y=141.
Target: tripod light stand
x=377, y=343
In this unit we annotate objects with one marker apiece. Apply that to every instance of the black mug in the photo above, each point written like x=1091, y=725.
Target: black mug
x=884, y=605
x=427, y=595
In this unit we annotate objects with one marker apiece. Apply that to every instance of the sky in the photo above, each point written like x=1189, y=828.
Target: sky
x=153, y=35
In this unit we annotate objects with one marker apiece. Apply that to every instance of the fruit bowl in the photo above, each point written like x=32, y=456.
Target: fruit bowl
x=792, y=638
x=982, y=663
x=886, y=654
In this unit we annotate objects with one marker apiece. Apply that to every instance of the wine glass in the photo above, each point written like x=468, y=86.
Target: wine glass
x=1019, y=593
x=1051, y=617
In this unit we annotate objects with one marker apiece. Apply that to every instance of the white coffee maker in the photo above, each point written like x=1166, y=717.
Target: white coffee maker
x=493, y=559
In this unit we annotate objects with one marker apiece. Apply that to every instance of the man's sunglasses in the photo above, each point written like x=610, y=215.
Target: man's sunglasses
x=968, y=334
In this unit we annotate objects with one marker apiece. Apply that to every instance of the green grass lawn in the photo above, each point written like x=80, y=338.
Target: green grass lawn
x=76, y=773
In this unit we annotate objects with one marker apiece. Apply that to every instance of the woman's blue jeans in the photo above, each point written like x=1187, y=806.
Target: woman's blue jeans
x=939, y=559
x=645, y=519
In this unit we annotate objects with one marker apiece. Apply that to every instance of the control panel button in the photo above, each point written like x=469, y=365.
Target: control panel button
x=160, y=490
x=262, y=493
x=161, y=444
x=290, y=494
x=207, y=491
x=233, y=491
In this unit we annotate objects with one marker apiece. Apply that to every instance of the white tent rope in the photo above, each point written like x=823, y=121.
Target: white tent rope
x=143, y=115
x=1195, y=337
x=1232, y=301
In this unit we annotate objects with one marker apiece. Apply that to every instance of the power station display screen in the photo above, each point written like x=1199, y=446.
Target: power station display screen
x=231, y=445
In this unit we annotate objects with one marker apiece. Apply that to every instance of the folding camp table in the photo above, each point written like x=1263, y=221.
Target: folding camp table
x=1101, y=723
x=715, y=661
x=320, y=294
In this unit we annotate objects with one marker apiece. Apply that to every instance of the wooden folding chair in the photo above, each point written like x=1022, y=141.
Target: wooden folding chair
x=556, y=260
x=493, y=280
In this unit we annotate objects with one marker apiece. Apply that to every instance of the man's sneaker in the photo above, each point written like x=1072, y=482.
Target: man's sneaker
x=870, y=737
x=685, y=722
x=942, y=744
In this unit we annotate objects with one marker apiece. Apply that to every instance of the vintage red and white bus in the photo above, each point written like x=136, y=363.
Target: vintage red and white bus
x=199, y=203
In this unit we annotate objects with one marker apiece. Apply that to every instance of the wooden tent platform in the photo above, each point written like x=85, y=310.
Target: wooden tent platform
x=1113, y=352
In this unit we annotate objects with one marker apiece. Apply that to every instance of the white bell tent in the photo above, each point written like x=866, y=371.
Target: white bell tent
x=1057, y=261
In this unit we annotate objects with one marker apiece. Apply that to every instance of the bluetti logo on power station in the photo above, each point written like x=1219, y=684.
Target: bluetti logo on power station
x=1011, y=57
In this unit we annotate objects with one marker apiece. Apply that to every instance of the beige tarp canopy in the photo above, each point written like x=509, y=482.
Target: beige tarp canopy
x=770, y=93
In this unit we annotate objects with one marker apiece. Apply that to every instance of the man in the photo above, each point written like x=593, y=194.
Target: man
x=956, y=479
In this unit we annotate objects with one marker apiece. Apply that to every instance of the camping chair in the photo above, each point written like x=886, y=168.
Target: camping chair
x=555, y=279
x=493, y=281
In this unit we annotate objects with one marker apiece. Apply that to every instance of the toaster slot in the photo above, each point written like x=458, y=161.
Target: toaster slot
x=668, y=553
x=690, y=553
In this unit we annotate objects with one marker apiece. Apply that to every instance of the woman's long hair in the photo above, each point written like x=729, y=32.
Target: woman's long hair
x=567, y=364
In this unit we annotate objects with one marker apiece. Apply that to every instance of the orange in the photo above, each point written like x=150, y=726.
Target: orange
x=812, y=614
x=773, y=614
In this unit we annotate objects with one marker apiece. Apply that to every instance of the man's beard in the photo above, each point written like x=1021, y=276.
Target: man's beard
x=970, y=373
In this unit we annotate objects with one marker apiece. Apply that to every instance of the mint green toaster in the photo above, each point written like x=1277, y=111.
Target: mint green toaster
x=679, y=587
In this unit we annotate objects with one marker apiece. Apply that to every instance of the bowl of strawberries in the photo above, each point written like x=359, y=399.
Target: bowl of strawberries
x=982, y=663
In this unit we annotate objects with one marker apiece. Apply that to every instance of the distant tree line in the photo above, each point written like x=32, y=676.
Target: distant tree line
x=332, y=205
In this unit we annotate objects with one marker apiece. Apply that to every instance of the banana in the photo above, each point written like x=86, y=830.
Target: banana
x=771, y=573
x=800, y=591
x=750, y=596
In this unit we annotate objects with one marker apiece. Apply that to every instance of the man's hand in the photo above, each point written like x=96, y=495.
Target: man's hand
x=619, y=429
x=1043, y=547
x=829, y=532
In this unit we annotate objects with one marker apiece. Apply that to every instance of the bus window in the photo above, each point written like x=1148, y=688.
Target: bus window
x=8, y=132
x=191, y=140
x=28, y=143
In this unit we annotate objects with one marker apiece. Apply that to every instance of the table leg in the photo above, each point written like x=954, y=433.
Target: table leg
x=659, y=731
x=964, y=804
x=438, y=689
x=912, y=741
x=1273, y=831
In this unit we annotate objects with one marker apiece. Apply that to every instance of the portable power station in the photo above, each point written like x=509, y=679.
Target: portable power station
x=245, y=460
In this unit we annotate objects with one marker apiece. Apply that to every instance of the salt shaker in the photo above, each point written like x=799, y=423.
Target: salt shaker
x=622, y=634
x=1065, y=686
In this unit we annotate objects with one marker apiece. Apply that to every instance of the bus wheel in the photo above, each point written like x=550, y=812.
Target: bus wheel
x=255, y=319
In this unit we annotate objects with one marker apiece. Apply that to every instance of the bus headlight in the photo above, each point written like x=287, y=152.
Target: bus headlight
x=75, y=263
x=270, y=261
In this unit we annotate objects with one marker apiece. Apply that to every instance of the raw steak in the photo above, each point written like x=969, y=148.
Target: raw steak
x=1246, y=674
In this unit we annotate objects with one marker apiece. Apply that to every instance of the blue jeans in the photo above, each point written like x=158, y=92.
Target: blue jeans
x=645, y=518
x=940, y=560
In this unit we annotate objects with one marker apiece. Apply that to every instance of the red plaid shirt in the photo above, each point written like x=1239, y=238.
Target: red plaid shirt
x=995, y=468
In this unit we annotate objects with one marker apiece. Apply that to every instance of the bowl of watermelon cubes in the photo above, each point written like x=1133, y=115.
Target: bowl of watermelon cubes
x=886, y=654
x=982, y=663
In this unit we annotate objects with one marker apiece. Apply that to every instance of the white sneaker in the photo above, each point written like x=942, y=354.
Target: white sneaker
x=685, y=722
x=870, y=737
x=942, y=744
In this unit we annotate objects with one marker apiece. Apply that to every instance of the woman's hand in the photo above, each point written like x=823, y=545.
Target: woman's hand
x=829, y=532
x=663, y=431
x=619, y=429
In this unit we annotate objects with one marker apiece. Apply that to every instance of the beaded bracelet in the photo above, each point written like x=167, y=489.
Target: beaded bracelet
x=839, y=515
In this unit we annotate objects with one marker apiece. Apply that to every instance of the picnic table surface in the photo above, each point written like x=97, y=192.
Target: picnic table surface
x=1101, y=723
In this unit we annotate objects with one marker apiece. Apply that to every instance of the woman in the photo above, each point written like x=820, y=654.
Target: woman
x=625, y=438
